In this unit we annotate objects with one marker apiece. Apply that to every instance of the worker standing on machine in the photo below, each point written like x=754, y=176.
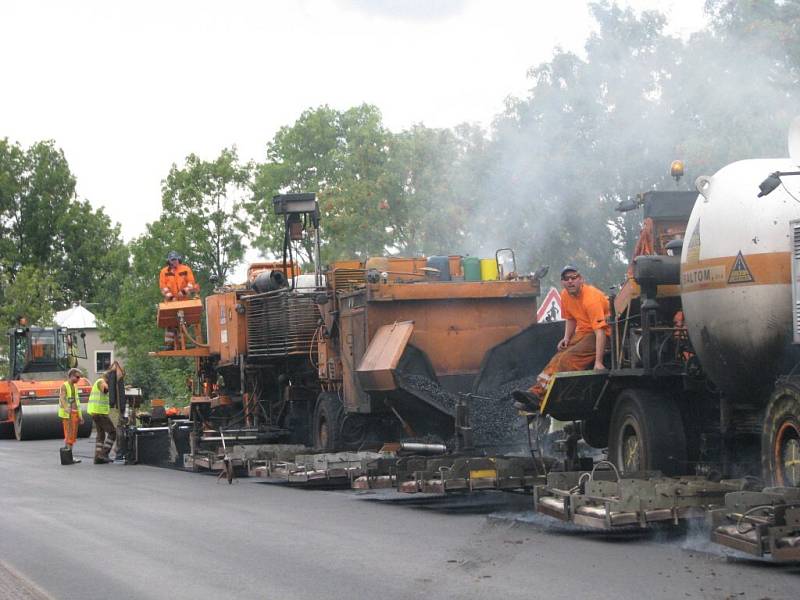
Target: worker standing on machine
x=69, y=411
x=99, y=408
x=176, y=282
x=586, y=310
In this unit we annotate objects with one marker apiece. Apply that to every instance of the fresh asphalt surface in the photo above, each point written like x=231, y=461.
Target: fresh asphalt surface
x=89, y=532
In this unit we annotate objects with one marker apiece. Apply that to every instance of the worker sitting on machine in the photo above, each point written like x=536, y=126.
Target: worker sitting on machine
x=177, y=282
x=585, y=309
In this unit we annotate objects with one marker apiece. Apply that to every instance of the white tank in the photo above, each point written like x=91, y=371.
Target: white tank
x=736, y=275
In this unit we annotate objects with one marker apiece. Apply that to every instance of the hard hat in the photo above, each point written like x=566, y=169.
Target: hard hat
x=172, y=254
x=567, y=269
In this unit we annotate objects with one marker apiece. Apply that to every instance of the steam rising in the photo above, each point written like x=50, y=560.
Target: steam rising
x=595, y=130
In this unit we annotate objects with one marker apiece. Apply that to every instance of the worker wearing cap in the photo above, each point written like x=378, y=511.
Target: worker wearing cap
x=99, y=408
x=585, y=310
x=69, y=408
x=176, y=282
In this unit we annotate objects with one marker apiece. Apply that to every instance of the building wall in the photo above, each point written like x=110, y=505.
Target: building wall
x=95, y=345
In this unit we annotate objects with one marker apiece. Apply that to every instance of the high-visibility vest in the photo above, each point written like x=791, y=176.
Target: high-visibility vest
x=98, y=400
x=70, y=394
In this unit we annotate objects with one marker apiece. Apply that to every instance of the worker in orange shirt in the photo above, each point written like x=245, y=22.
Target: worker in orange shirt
x=585, y=309
x=176, y=282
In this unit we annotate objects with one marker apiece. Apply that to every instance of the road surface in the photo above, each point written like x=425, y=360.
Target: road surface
x=90, y=531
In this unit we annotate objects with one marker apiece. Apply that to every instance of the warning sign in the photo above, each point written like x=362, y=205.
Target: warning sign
x=693, y=252
x=550, y=308
x=740, y=272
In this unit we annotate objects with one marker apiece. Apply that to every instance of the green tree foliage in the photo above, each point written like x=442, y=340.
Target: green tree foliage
x=343, y=157
x=132, y=325
x=32, y=295
x=379, y=192
x=206, y=199
x=44, y=226
x=602, y=127
x=440, y=171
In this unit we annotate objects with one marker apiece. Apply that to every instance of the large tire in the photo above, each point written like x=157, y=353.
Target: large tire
x=780, y=440
x=20, y=431
x=647, y=433
x=328, y=416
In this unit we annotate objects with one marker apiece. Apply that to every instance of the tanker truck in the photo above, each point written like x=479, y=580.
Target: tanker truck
x=703, y=377
x=703, y=369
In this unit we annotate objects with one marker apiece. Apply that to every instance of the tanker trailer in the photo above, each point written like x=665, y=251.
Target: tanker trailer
x=701, y=371
x=736, y=286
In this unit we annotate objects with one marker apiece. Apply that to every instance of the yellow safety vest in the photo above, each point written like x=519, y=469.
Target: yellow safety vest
x=98, y=401
x=70, y=395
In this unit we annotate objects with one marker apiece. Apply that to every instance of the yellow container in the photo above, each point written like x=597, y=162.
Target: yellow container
x=488, y=269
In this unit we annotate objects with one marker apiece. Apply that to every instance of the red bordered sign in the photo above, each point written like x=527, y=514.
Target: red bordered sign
x=550, y=308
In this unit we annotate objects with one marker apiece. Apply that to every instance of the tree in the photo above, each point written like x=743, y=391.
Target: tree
x=600, y=128
x=344, y=158
x=32, y=295
x=440, y=171
x=206, y=199
x=43, y=225
x=132, y=323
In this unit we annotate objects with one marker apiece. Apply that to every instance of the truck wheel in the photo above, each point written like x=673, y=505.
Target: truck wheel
x=328, y=422
x=647, y=434
x=780, y=440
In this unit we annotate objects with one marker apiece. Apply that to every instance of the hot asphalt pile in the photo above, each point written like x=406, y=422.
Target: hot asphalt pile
x=496, y=425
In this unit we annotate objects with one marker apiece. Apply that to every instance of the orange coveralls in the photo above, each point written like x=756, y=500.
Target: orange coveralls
x=589, y=309
x=177, y=280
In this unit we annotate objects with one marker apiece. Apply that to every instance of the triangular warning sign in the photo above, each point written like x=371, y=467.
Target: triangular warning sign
x=740, y=272
x=550, y=308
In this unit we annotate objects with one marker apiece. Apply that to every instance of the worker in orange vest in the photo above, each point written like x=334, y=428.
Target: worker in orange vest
x=176, y=282
x=586, y=310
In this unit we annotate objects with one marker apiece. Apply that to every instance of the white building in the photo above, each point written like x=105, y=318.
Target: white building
x=99, y=354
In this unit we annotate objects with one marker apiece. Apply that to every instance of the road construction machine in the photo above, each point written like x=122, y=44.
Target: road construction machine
x=39, y=358
x=703, y=366
x=358, y=354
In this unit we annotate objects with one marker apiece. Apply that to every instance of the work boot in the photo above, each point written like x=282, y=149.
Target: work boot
x=99, y=460
x=525, y=401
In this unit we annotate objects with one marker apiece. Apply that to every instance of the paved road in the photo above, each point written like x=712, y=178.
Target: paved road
x=114, y=531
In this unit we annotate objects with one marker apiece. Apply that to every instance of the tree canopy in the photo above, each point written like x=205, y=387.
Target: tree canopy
x=62, y=248
x=594, y=128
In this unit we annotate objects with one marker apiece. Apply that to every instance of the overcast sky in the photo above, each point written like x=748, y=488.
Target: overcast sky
x=129, y=88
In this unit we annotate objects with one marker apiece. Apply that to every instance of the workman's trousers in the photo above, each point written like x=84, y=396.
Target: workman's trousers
x=70, y=426
x=106, y=435
x=577, y=356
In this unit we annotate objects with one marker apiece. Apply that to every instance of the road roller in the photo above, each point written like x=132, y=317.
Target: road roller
x=39, y=358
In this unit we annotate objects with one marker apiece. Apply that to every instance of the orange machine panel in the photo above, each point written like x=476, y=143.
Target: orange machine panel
x=227, y=327
x=455, y=323
x=168, y=312
x=376, y=368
